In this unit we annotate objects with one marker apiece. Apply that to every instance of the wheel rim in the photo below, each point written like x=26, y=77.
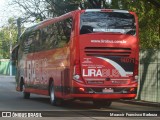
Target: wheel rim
x=23, y=88
x=52, y=94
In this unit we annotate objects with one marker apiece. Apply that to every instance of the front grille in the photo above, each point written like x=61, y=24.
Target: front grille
x=107, y=51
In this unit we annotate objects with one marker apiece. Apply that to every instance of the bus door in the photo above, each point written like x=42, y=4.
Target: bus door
x=65, y=81
x=65, y=73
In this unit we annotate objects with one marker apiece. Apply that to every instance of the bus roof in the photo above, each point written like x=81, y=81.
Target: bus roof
x=52, y=20
x=49, y=21
x=106, y=10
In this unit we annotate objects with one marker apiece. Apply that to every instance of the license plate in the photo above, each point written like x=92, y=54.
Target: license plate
x=107, y=90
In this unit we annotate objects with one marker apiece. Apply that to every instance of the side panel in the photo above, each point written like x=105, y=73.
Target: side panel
x=53, y=64
x=48, y=56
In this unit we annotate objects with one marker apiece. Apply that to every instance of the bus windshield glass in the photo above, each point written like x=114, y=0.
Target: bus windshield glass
x=107, y=22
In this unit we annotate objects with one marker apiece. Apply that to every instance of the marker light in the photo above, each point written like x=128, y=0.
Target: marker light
x=132, y=89
x=136, y=77
x=77, y=73
x=81, y=89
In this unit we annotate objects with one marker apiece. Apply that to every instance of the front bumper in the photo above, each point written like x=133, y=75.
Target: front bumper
x=104, y=96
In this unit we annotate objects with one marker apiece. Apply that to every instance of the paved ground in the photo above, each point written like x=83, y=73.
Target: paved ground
x=11, y=100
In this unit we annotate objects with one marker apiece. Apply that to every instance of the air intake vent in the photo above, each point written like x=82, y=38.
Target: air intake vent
x=107, y=51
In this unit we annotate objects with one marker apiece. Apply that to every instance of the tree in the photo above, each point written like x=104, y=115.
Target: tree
x=155, y=3
x=59, y=7
x=147, y=11
x=8, y=36
x=38, y=10
x=149, y=23
x=33, y=10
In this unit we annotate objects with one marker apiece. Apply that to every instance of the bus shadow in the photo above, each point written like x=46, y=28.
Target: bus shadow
x=66, y=104
x=44, y=100
x=76, y=104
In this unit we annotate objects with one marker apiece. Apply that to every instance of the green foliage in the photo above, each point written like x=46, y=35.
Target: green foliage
x=8, y=36
x=148, y=15
x=148, y=12
x=59, y=7
x=149, y=22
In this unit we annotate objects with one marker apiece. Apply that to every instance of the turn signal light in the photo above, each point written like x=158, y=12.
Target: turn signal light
x=132, y=89
x=81, y=89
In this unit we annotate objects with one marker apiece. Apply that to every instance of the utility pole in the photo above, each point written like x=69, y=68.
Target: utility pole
x=159, y=31
x=19, y=27
x=10, y=37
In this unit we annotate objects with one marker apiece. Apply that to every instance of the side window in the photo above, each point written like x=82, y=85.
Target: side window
x=37, y=41
x=47, y=40
x=64, y=32
x=25, y=45
x=21, y=46
x=30, y=42
x=67, y=25
x=56, y=35
x=52, y=36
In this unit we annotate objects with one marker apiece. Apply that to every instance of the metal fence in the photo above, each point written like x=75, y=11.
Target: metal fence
x=149, y=72
x=5, y=67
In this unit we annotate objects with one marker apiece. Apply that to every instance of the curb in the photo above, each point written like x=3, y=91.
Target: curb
x=3, y=76
x=7, y=77
x=140, y=102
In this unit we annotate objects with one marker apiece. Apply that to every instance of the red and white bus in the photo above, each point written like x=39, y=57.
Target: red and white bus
x=87, y=54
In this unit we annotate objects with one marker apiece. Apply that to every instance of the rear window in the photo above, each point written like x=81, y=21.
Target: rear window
x=114, y=22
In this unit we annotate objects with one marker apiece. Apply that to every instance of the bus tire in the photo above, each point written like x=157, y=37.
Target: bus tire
x=53, y=99
x=26, y=95
x=102, y=103
x=21, y=84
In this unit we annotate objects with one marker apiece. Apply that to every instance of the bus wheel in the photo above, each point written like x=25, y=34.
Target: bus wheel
x=53, y=99
x=26, y=95
x=102, y=103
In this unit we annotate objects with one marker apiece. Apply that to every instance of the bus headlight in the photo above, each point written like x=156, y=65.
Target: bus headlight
x=76, y=77
x=136, y=77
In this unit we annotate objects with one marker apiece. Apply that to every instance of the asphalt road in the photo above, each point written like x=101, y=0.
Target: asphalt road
x=11, y=100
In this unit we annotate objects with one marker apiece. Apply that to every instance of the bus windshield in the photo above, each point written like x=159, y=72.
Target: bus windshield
x=108, y=22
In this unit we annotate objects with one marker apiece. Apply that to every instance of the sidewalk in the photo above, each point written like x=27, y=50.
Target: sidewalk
x=7, y=77
x=141, y=102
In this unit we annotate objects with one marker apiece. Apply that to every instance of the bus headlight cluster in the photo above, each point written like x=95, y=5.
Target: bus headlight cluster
x=76, y=77
x=136, y=77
